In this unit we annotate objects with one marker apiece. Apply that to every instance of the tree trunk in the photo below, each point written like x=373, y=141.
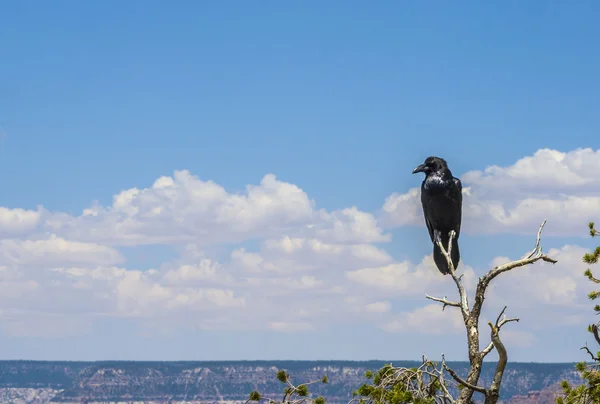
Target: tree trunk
x=475, y=360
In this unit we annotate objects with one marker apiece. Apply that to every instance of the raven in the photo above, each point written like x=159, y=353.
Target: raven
x=441, y=197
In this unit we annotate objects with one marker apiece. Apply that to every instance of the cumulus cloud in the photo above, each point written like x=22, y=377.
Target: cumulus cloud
x=543, y=291
x=378, y=307
x=426, y=320
x=282, y=326
x=563, y=187
x=183, y=208
x=56, y=251
x=306, y=268
x=135, y=293
x=407, y=279
x=520, y=339
x=288, y=254
x=547, y=172
x=204, y=272
x=19, y=222
x=537, y=294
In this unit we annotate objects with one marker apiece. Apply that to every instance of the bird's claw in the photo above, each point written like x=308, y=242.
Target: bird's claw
x=451, y=234
x=436, y=236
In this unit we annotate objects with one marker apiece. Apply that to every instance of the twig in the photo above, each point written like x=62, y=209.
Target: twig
x=500, y=315
x=499, y=324
x=589, y=352
x=534, y=256
x=464, y=382
x=447, y=394
x=537, y=241
x=445, y=301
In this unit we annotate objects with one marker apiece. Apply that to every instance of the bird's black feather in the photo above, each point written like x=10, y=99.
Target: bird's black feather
x=441, y=198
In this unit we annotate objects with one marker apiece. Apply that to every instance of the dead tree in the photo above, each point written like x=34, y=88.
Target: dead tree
x=427, y=382
x=470, y=317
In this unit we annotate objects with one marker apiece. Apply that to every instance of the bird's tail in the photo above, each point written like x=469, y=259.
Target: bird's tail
x=440, y=260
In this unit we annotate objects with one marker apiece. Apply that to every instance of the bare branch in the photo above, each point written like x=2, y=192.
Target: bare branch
x=487, y=349
x=463, y=382
x=500, y=315
x=589, y=352
x=464, y=303
x=447, y=394
x=506, y=320
x=445, y=301
x=499, y=323
x=537, y=241
x=494, y=390
x=534, y=256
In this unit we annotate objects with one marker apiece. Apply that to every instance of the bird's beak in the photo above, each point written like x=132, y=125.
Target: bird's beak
x=419, y=169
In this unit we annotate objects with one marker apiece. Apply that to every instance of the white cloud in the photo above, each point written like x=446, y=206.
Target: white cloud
x=403, y=209
x=542, y=295
x=546, y=171
x=17, y=288
x=282, y=302
x=288, y=254
x=543, y=290
x=283, y=284
x=282, y=326
x=350, y=226
x=378, y=307
x=406, y=279
x=183, y=208
x=561, y=187
x=520, y=339
x=429, y=319
x=142, y=294
x=18, y=222
x=206, y=271
x=56, y=251
x=312, y=268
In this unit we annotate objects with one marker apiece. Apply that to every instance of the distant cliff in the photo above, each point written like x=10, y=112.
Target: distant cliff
x=212, y=382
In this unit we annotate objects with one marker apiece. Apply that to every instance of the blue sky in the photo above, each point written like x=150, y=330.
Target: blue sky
x=340, y=99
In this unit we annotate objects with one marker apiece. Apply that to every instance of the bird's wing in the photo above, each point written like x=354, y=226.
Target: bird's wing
x=426, y=215
x=459, y=204
x=429, y=227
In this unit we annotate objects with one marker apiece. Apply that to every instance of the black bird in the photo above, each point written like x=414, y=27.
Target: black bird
x=441, y=197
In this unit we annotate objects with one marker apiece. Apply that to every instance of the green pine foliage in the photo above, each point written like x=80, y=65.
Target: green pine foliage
x=589, y=391
x=291, y=394
x=390, y=385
